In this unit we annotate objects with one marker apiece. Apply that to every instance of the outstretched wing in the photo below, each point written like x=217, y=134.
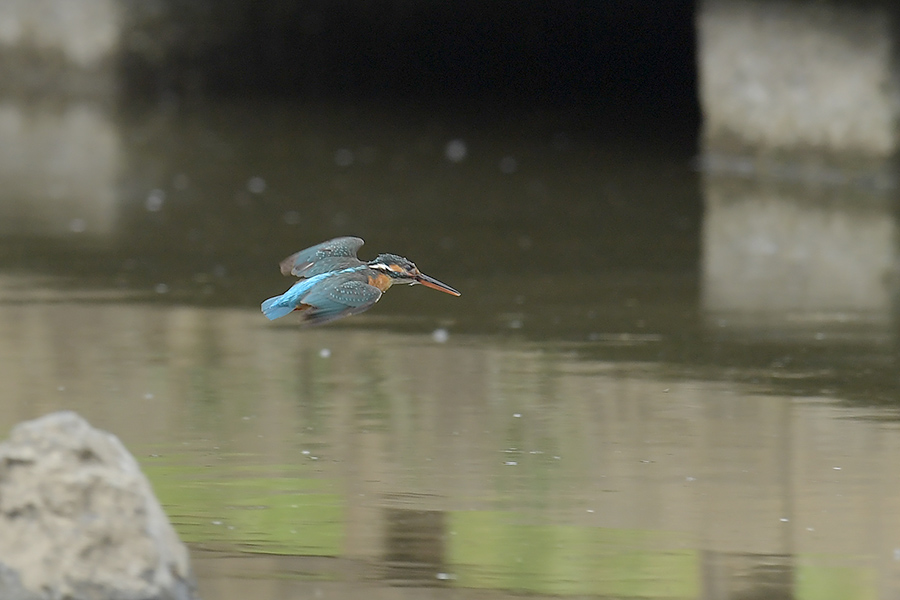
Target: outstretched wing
x=328, y=302
x=336, y=254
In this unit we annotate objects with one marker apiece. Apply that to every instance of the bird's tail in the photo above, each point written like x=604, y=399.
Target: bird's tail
x=273, y=310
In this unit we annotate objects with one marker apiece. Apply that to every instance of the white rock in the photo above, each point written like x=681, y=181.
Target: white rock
x=80, y=521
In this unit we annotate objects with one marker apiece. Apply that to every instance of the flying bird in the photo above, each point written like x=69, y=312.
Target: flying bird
x=334, y=283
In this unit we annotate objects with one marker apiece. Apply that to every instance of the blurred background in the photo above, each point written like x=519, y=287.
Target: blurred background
x=672, y=372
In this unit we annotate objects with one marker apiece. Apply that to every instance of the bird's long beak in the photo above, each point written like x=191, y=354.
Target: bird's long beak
x=435, y=284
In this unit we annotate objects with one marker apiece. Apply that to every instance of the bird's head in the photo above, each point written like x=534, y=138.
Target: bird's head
x=401, y=270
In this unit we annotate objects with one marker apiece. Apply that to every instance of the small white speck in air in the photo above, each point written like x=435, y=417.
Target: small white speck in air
x=77, y=225
x=440, y=335
x=155, y=200
x=324, y=353
x=456, y=151
x=517, y=415
x=256, y=185
x=161, y=288
x=343, y=157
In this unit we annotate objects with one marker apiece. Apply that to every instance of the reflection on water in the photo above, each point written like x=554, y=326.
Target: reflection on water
x=59, y=169
x=211, y=194
x=776, y=251
x=350, y=457
x=605, y=412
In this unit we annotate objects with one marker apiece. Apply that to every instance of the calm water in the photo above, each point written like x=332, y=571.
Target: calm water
x=657, y=383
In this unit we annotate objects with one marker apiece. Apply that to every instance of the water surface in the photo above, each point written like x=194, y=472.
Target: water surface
x=653, y=385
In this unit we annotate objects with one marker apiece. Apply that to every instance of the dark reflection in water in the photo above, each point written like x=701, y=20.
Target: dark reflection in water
x=228, y=190
x=748, y=577
x=625, y=402
x=414, y=547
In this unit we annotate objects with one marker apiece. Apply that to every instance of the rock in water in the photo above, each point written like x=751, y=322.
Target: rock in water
x=78, y=519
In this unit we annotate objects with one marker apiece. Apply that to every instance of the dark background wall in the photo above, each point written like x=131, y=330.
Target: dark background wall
x=624, y=58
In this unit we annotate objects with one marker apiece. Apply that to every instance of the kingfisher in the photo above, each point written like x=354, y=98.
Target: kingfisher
x=334, y=283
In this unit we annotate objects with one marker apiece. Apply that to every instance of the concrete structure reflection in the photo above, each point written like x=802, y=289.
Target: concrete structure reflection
x=782, y=254
x=513, y=468
x=59, y=170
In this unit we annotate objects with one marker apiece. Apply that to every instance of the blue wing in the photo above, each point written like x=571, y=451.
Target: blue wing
x=327, y=302
x=333, y=255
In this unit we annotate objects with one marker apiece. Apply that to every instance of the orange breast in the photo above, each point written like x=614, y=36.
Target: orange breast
x=381, y=281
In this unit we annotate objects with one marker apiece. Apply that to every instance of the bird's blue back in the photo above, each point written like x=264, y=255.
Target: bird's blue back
x=284, y=304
